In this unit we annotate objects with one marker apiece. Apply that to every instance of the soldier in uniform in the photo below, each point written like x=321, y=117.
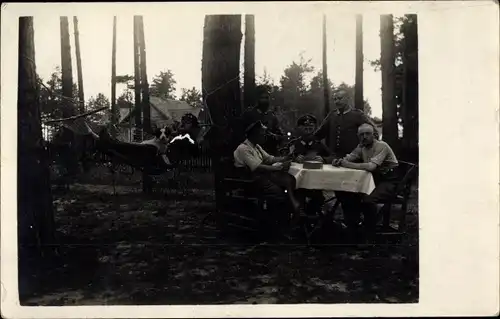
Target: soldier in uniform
x=308, y=147
x=342, y=126
x=261, y=112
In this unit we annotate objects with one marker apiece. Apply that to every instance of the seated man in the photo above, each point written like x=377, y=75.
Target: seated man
x=374, y=156
x=308, y=148
x=271, y=172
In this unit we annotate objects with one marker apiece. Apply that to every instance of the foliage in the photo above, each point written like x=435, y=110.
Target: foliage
x=164, y=85
x=51, y=101
x=401, y=24
x=98, y=102
x=192, y=96
x=295, y=95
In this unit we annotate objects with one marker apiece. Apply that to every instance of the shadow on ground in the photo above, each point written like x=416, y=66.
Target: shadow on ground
x=130, y=249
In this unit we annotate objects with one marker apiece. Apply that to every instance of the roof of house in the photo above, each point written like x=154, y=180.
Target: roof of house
x=166, y=110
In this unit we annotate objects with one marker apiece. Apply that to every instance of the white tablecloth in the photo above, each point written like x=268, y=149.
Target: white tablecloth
x=333, y=179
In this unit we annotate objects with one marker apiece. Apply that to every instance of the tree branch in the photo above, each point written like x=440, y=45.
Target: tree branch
x=76, y=116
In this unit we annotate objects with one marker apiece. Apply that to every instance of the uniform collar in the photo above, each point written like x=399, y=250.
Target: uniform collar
x=347, y=110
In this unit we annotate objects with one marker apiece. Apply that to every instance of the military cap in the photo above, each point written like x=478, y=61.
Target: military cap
x=307, y=119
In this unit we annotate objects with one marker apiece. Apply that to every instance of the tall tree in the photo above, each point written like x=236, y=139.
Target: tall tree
x=220, y=76
x=67, y=73
x=114, y=110
x=34, y=198
x=220, y=66
x=410, y=92
x=358, y=94
x=137, y=82
x=326, y=87
x=74, y=145
x=81, y=95
x=406, y=54
x=249, y=67
x=146, y=107
x=163, y=85
x=387, y=60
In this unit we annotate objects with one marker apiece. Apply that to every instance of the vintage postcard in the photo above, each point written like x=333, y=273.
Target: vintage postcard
x=250, y=159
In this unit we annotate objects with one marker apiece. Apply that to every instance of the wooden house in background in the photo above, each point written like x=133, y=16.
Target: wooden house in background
x=163, y=112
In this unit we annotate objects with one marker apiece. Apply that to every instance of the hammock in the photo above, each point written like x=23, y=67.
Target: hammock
x=145, y=157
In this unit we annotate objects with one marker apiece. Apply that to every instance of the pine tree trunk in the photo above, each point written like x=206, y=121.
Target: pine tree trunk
x=146, y=107
x=66, y=68
x=220, y=66
x=114, y=110
x=326, y=86
x=81, y=96
x=358, y=88
x=249, y=76
x=410, y=92
x=71, y=160
x=34, y=198
x=137, y=82
x=220, y=84
x=387, y=60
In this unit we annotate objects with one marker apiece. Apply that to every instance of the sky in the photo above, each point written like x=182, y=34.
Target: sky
x=174, y=41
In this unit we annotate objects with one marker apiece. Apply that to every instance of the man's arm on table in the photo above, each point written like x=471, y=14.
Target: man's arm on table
x=269, y=159
x=377, y=160
x=370, y=167
x=254, y=163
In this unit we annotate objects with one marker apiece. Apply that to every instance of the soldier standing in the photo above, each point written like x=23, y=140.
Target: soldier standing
x=261, y=112
x=342, y=126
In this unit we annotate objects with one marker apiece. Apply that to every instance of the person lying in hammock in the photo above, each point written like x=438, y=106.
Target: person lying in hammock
x=163, y=149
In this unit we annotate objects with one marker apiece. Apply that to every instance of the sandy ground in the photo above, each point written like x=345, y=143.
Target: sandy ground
x=121, y=247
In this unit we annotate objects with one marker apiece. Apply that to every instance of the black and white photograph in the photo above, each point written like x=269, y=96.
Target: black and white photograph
x=190, y=157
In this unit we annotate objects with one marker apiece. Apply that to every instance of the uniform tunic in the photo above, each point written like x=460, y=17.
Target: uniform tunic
x=309, y=145
x=343, y=130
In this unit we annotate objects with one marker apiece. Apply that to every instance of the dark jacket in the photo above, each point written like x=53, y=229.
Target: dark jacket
x=343, y=130
x=306, y=144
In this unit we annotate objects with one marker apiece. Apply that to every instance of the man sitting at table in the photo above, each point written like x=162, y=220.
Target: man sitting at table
x=378, y=158
x=270, y=172
x=308, y=148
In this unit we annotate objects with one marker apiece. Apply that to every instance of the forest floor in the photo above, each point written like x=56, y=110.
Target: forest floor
x=125, y=248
